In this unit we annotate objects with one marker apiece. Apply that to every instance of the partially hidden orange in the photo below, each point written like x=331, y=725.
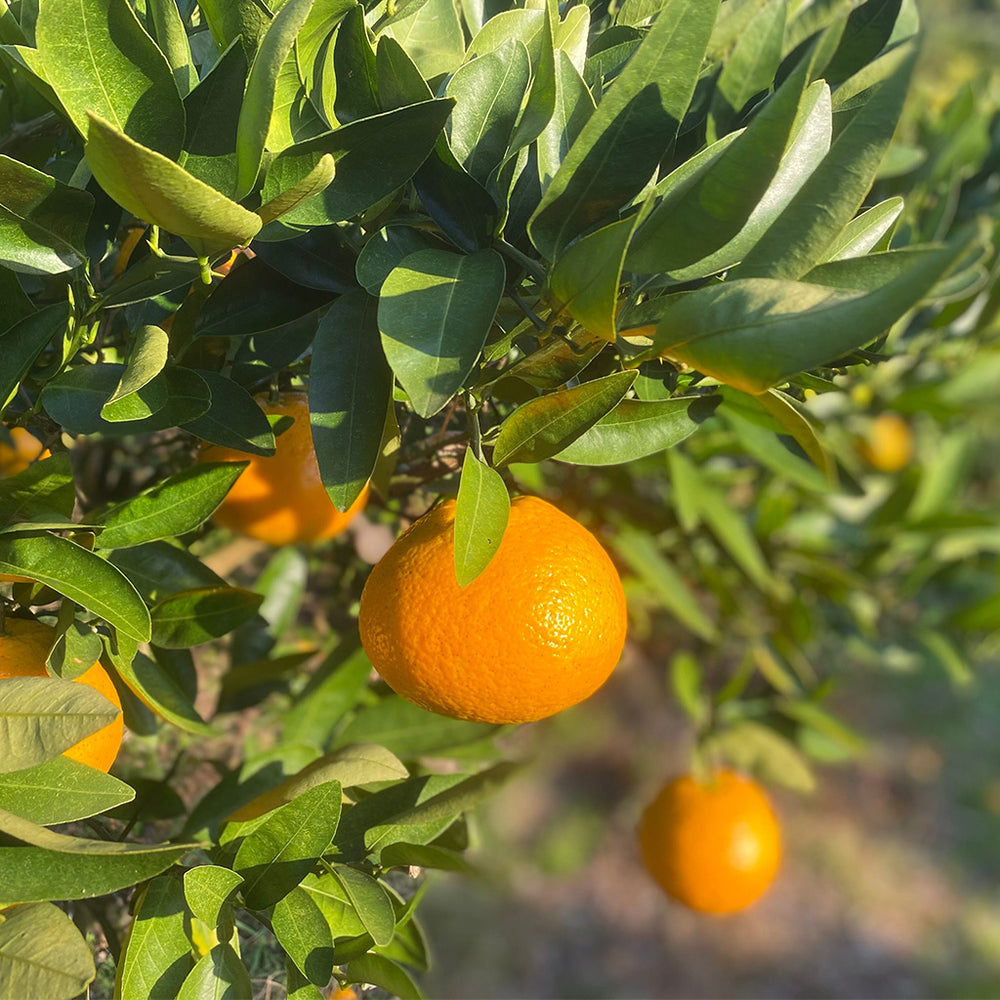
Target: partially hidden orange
x=280, y=498
x=24, y=647
x=888, y=445
x=715, y=847
x=539, y=630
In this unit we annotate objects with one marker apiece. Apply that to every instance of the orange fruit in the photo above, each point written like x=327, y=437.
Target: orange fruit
x=888, y=446
x=540, y=629
x=24, y=647
x=280, y=498
x=27, y=449
x=713, y=847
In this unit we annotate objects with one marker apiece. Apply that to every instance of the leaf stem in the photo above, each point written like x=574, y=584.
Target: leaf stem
x=533, y=267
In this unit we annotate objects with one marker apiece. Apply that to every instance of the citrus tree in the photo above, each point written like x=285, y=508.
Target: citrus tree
x=263, y=261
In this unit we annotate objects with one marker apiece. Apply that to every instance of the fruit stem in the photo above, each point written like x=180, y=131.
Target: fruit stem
x=531, y=266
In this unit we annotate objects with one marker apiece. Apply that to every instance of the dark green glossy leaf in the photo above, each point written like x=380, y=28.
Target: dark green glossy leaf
x=22, y=343
x=43, y=490
x=398, y=80
x=42, y=222
x=233, y=420
x=349, y=391
x=147, y=358
x=158, y=569
x=364, y=174
x=382, y=972
x=384, y=250
x=193, y=617
x=354, y=66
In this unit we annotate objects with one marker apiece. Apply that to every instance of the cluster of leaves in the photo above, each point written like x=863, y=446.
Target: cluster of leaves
x=592, y=231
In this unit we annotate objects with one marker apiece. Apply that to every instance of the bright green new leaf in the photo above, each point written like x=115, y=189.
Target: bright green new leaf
x=207, y=889
x=220, y=975
x=156, y=189
x=147, y=358
x=481, y=514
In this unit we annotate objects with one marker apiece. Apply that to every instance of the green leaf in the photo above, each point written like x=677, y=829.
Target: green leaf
x=43, y=870
x=488, y=93
x=193, y=617
x=381, y=972
x=587, y=276
x=22, y=343
x=207, y=889
x=101, y=63
x=364, y=174
x=403, y=855
x=349, y=391
x=384, y=250
x=574, y=104
x=229, y=20
x=643, y=557
x=79, y=575
x=432, y=37
x=158, y=956
x=153, y=275
x=798, y=426
x=171, y=39
x=397, y=78
x=459, y=204
x=636, y=428
x=43, y=716
x=258, y=101
x=220, y=975
x=155, y=688
x=687, y=684
x=43, y=490
x=623, y=141
x=76, y=397
x=370, y=901
x=750, y=746
x=353, y=765
x=868, y=29
x=154, y=188
x=158, y=569
x=173, y=506
x=831, y=196
x=302, y=930
x=61, y=791
x=756, y=332
x=42, y=954
x=755, y=58
x=213, y=110
x=276, y=856
x=354, y=67
x=716, y=216
x=435, y=312
x=311, y=185
x=864, y=231
x=42, y=221
x=410, y=731
x=147, y=358
x=481, y=515
x=547, y=425
x=233, y=420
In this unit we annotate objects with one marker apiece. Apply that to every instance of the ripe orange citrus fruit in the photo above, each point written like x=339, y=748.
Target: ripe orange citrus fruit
x=888, y=446
x=27, y=449
x=713, y=847
x=280, y=498
x=540, y=629
x=24, y=647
